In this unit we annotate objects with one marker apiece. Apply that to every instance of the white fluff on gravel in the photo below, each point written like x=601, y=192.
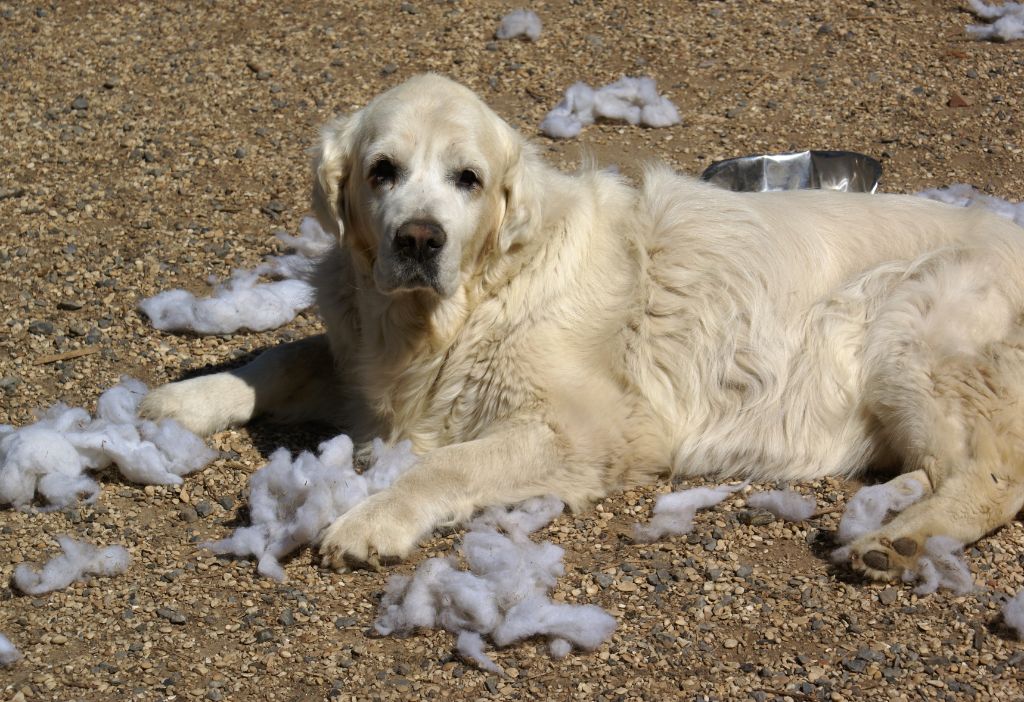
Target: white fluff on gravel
x=9, y=655
x=504, y=595
x=52, y=457
x=941, y=565
x=243, y=302
x=78, y=560
x=1006, y=21
x=1013, y=614
x=786, y=504
x=964, y=195
x=291, y=501
x=674, y=512
x=519, y=23
x=632, y=100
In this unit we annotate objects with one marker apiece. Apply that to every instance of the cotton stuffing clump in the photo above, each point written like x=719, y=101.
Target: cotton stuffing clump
x=291, y=501
x=869, y=507
x=77, y=560
x=674, y=512
x=1013, y=614
x=785, y=504
x=941, y=565
x=51, y=458
x=504, y=594
x=963, y=195
x=9, y=655
x=631, y=100
x=1006, y=21
x=243, y=302
x=519, y=23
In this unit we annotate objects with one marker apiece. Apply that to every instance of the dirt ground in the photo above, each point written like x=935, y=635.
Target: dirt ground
x=146, y=146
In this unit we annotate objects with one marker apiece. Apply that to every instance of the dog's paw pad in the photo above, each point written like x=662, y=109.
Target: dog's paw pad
x=882, y=558
x=905, y=546
x=876, y=560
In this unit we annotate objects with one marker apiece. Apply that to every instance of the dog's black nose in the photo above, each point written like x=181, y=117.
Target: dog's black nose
x=420, y=240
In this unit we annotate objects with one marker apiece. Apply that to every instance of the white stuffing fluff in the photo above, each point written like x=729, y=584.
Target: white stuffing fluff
x=786, y=504
x=962, y=195
x=519, y=23
x=674, y=512
x=243, y=302
x=867, y=509
x=9, y=655
x=1013, y=614
x=240, y=303
x=942, y=565
x=1006, y=21
x=77, y=560
x=503, y=595
x=291, y=501
x=632, y=100
x=51, y=457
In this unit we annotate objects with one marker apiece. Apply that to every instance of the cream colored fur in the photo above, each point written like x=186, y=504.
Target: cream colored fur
x=583, y=334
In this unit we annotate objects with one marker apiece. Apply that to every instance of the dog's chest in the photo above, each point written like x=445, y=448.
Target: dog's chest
x=451, y=395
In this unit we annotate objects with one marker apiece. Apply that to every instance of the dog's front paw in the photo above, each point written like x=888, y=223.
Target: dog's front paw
x=203, y=405
x=377, y=531
x=882, y=557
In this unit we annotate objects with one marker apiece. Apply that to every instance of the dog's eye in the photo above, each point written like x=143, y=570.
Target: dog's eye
x=467, y=179
x=383, y=173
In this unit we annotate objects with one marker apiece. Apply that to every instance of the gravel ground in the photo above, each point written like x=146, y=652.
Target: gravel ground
x=146, y=146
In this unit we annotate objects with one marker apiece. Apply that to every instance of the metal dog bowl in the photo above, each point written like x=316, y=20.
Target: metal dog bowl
x=828, y=170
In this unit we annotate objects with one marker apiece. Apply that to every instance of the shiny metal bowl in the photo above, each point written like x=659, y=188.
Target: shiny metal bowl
x=831, y=170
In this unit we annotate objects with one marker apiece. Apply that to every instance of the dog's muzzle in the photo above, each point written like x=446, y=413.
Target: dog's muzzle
x=419, y=241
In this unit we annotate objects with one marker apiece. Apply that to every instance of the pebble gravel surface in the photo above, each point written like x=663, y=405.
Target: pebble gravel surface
x=148, y=145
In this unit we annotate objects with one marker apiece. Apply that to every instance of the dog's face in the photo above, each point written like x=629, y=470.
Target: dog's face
x=424, y=182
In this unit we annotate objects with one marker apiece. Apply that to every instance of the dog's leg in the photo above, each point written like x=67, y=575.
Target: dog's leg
x=977, y=498
x=294, y=381
x=448, y=484
x=948, y=384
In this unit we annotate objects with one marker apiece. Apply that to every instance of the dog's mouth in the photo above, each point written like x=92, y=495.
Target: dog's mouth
x=405, y=276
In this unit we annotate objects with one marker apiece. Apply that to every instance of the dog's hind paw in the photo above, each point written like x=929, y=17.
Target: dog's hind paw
x=880, y=557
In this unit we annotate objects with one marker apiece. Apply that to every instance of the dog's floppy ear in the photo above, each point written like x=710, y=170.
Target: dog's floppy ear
x=332, y=164
x=522, y=195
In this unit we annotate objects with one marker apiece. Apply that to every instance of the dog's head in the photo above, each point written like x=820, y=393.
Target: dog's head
x=427, y=183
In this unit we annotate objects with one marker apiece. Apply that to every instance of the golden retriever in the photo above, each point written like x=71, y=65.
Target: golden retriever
x=534, y=332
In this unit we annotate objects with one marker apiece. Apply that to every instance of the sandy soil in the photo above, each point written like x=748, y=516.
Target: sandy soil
x=146, y=146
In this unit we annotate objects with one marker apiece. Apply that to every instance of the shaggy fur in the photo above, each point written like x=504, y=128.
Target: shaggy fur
x=575, y=334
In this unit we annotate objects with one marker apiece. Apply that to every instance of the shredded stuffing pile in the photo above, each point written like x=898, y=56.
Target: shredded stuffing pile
x=941, y=564
x=51, y=457
x=9, y=655
x=1006, y=21
x=963, y=195
x=1013, y=614
x=674, y=512
x=503, y=595
x=785, y=504
x=78, y=560
x=291, y=501
x=519, y=23
x=632, y=100
x=243, y=302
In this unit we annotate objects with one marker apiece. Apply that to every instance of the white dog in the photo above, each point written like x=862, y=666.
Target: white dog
x=533, y=332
